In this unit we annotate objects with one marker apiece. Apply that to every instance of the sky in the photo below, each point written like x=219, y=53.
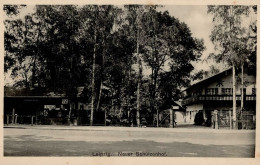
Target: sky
x=200, y=24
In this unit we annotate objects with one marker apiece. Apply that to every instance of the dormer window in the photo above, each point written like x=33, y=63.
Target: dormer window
x=212, y=91
x=227, y=91
x=197, y=93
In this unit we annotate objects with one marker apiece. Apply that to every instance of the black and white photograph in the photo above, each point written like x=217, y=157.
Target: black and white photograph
x=129, y=80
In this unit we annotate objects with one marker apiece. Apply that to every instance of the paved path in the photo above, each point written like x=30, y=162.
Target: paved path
x=126, y=141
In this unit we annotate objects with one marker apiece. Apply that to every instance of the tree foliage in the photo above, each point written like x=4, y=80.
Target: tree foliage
x=231, y=39
x=59, y=47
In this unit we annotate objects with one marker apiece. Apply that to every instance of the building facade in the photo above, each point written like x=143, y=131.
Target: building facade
x=37, y=106
x=215, y=93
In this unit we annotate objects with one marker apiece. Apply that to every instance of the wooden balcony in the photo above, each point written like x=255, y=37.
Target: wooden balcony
x=202, y=98
x=190, y=100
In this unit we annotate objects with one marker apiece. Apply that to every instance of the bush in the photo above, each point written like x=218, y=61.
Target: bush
x=199, y=119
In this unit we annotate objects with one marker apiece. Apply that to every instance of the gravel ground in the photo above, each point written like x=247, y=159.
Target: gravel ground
x=127, y=141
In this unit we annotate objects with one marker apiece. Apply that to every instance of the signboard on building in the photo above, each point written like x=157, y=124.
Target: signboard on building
x=175, y=107
x=50, y=107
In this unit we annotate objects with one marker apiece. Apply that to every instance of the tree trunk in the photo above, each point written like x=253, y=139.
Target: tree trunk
x=154, y=95
x=139, y=79
x=99, y=96
x=234, y=96
x=69, y=116
x=138, y=95
x=93, y=79
x=13, y=113
x=155, y=75
x=101, y=71
x=138, y=105
x=157, y=114
x=33, y=71
x=242, y=90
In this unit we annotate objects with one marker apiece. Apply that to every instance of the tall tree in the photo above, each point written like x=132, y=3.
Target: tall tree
x=134, y=19
x=48, y=54
x=98, y=23
x=169, y=44
x=228, y=37
x=91, y=14
x=61, y=45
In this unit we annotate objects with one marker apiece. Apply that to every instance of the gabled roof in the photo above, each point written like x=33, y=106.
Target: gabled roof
x=213, y=77
x=16, y=91
x=178, y=103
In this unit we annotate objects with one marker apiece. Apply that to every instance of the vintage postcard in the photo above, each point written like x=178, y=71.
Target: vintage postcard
x=102, y=82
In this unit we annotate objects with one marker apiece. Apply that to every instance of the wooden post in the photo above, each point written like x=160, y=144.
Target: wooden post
x=15, y=120
x=230, y=119
x=13, y=115
x=171, y=119
x=157, y=114
x=242, y=90
x=32, y=120
x=216, y=122
x=212, y=120
x=7, y=120
x=105, y=117
x=36, y=119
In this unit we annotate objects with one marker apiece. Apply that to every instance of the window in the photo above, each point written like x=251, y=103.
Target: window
x=197, y=93
x=211, y=91
x=227, y=91
x=253, y=91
